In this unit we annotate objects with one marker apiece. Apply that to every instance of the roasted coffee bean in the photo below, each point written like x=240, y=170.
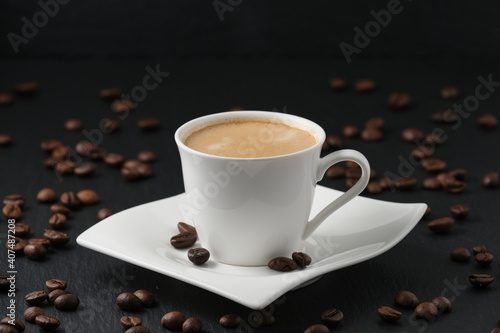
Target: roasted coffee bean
x=282, y=264
x=85, y=169
x=56, y=208
x=442, y=303
x=65, y=167
x=422, y=152
x=173, y=320
x=377, y=122
x=184, y=227
x=6, y=328
x=130, y=321
x=337, y=83
x=35, y=251
x=54, y=284
x=58, y=221
x=192, y=325
x=55, y=294
x=484, y=258
x=88, y=197
x=481, y=280
x=491, y=180
x=198, y=256
x=36, y=297
x=460, y=254
x=67, y=302
x=495, y=330
x=146, y=156
x=353, y=173
x=47, y=323
x=317, y=328
x=70, y=199
x=73, y=125
x=452, y=185
x=113, y=159
x=121, y=105
x=374, y=188
x=6, y=98
x=427, y=211
x=458, y=173
x=487, y=121
x=262, y=318
x=26, y=88
x=149, y=123
x=459, y=212
x=18, y=324
x=17, y=246
x=385, y=183
x=412, y=135
x=88, y=149
x=21, y=229
x=230, y=320
x=335, y=172
x=333, y=142
x=426, y=310
x=31, y=313
x=103, y=213
x=49, y=145
x=109, y=126
x=110, y=93
x=431, y=164
x=60, y=152
x=41, y=241
x=405, y=183
x=301, y=259
x=399, y=101
x=364, y=85
x=406, y=299
x=56, y=238
x=183, y=240
x=388, y=314
x=479, y=249
x=441, y=225
x=14, y=199
x=433, y=139
x=128, y=301
x=11, y=211
x=138, y=329
x=5, y=140
x=46, y=195
x=50, y=162
x=350, y=131
x=371, y=134
x=147, y=299
x=134, y=169
x=332, y=317
x=432, y=184
x=449, y=92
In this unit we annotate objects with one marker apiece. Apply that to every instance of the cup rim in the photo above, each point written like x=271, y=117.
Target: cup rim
x=319, y=131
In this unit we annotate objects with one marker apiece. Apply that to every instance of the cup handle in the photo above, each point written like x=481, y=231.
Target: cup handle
x=324, y=164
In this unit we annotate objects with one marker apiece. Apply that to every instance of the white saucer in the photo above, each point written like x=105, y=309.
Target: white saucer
x=360, y=230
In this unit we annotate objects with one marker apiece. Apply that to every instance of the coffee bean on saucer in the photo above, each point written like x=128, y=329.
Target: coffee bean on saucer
x=406, y=299
x=18, y=245
x=35, y=251
x=88, y=197
x=5, y=140
x=14, y=199
x=70, y=199
x=109, y=126
x=11, y=211
x=442, y=303
x=405, y=183
x=47, y=323
x=22, y=229
x=26, y=88
x=449, y=92
x=110, y=93
x=56, y=208
x=130, y=321
x=128, y=301
x=58, y=221
x=54, y=284
x=31, y=313
x=184, y=227
x=301, y=259
x=121, y=106
x=113, y=159
x=103, y=213
x=41, y=241
x=388, y=314
x=198, y=256
x=146, y=156
x=432, y=183
x=282, y=264
x=364, y=85
x=55, y=294
x=46, y=195
x=317, y=328
x=138, y=329
x=459, y=211
x=332, y=317
x=487, y=121
x=230, y=320
x=56, y=238
x=18, y=324
x=67, y=302
x=183, y=240
x=491, y=180
x=148, y=123
x=147, y=299
x=6, y=98
x=60, y=152
x=73, y=125
x=426, y=310
x=192, y=325
x=399, y=101
x=481, y=280
x=173, y=320
x=484, y=258
x=479, y=249
x=371, y=134
x=422, y=152
x=441, y=225
x=335, y=172
x=412, y=135
x=85, y=169
x=377, y=122
x=36, y=297
x=337, y=83
x=460, y=254
x=350, y=131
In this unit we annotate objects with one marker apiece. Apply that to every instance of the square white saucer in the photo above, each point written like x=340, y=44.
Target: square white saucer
x=362, y=229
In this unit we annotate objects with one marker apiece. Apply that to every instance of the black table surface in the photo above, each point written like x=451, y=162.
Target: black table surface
x=419, y=263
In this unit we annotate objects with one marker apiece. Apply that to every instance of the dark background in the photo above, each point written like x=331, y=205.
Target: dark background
x=264, y=55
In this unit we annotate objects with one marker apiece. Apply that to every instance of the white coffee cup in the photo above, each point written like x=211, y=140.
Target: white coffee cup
x=249, y=210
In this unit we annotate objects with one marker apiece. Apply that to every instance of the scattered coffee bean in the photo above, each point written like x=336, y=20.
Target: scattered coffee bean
x=399, y=101
x=388, y=314
x=31, y=313
x=18, y=324
x=192, y=325
x=46, y=195
x=146, y=156
x=58, y=221
x=301, y=259
x=441, y=225
x=406, y=299
x=460, y=254
x=14, y=199
x=487, y=121
x=148, y=123
x=332, y=317
x=173, y=320
x=110, y=126
x=5, y=140
x=51, y=162
x=377, y=122
x=282, y=264
x=47, y=323
x=350, y=131
x=49, y=145
x=85, y=169
x=371, y=134
x=495, y=330
x=134, y=169
x=184, y=227
x=353, y=173
x=26, y=88
x=230, y=320
x=405, y=183
x=481, y=280
x=128, y=301
x=198, y=256
x=55, y=294
x=56, y=238
x=452, y=185
x=459, y=212
x=333, y=142
x=422, y=152
x=138, y=329
x=41, y=241
x=73, y=125
x=432, y=184
x=317, y=328
x=54, y=284
x=18, y=245
x=262, y=318
x=88, y=197
x=337, y=83
x=120, y=105
x=484, y=258
x=36, y=297
x=35, y=251
x=60, y=152
x=147, y=299
x=113, y=159
x=65, y=167
x=479, y=249
x=6, y=98
x=103, y=213
x=442, y=303
x=335, y=172
x=426, y=310
x=56, y=208
x=110, y=93
x=21, y=229
x=183, y=240
x=5, y=328
x=449, y=92
x=11, y=211
x=491, y=180
x=130, y=321
x=433, y=139
x=412, y=135
x=385, y=183
x=67, y=302
x=364, y=85
x=70, y=199
x=431, y=164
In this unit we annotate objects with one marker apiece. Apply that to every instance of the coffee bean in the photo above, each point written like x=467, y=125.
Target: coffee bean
x=21, y=229
x=147, y=299
x=5, y=328
x=46, y=195
x=332, y=317
x=173, y=320
x=442, y=303
x=431, y=184
x=146, y=156
x=484, y=258
x=138, y=329
x=374, y=188
x=487, y=121
x=183, y=240
x=184, y=227
x=110, y=93
x=49, y=145
x=406, y=299
x=426, y=310
x=479, y=249
x=460, y=254
x=18, y=245
x=459, y=212
x=364, y=85
x=18, y=324
x=14, y=199
x=431, y=164
x=11, y=211
x=317, y=328
x=6, y=98
x=56, y=238
x=262, y=318
x=60, y=152
x=481, y=280
x=113, y=159
x=495, y=330
x=54, y=284
x=491, y=180
x=31, y=313
x=134, y=169
x=452, y=185
x=282, y=264
x=371, y=134
x=198, y=256
x=230, y=320
x=90, y=150
x=128, y=301
x=42, y=241
x=85, y=169
x=36, y=297
x=65, y=167
x=388, y=314
x=103, y=213
x=350, y=131
x=55, y=208
x=449, y=92
x=129, y=321
x=458, y=174
x=301, y=259
x=441, y=225
x=35, y=251
x=47, y=323
x=399, y=101
x=70, y=199
x=385, y=183
x=26, y=88
x=88, y=197
x=73, y=125
x=433, y=139
x=58, y=221
x=55, y=294
x=67, y=302
x=422, y=152
x=109, y=126
x=335, y=172
x=149, y=123
x=405, y=183
x=5, y=140
x=377, y=122
x=412, y=135
x=427, y=212
x=51, y=162
x=192, y=325
x=337, y=83
x=353, y=173
x=121, y=105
